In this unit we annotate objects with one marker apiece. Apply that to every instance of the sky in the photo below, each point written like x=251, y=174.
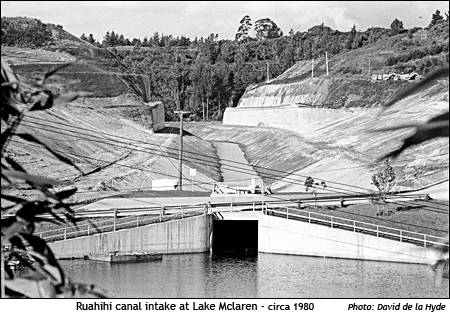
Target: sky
x=201, y=18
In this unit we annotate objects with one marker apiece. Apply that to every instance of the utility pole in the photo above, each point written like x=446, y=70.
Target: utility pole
x=326, y=61
x=203, y=109
x=312, y=69
x=180, y=154
x=2, y=285
x=267, y=72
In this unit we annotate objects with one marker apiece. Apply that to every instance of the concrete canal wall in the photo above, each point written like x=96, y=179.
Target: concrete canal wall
x=187, y=235
x=284, y=236
x=275, y=235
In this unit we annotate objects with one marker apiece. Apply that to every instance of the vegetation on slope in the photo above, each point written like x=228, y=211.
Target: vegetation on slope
x=206, y=75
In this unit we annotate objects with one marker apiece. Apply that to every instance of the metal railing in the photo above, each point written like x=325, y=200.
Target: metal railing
x=182, y=211
x=117, y=223
x=356, y=226
x=128, y=220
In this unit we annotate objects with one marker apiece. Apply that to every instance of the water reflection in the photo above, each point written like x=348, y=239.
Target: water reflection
x=267, y=275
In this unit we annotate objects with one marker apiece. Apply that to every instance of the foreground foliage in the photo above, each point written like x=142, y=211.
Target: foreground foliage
x=29, y=264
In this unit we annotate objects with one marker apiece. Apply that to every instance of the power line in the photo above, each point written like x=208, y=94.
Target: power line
x=266, y=174
x=339, y=191
x=280, y=173
x=277, y=198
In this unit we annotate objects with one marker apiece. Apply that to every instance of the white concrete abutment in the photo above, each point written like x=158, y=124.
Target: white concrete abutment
x=188, y=235
x=275, y=235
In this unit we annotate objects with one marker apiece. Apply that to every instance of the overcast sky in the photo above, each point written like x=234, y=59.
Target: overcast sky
x=139, y=19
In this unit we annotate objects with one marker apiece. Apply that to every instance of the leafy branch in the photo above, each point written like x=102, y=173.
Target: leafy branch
x=19, y=245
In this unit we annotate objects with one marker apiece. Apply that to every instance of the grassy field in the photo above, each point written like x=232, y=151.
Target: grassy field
x=424, y=217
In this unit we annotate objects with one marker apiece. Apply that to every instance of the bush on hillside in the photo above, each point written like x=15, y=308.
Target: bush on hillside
x=25, y=32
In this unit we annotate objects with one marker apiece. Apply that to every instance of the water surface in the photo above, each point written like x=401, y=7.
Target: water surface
x=265, y=276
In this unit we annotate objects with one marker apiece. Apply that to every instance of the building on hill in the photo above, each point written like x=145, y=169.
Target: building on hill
x=157, y=115
x=413, y=76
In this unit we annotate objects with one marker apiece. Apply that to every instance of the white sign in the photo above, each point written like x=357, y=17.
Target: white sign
x=192, y=172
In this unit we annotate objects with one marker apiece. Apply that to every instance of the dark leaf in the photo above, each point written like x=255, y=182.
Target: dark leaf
x=65, y=193
x=30, y=288
x=29, y=211
x=436, y=127
x=12, y=229
x=62, y=158
x=53, y=71
x=69, y=97
x=440, y=73
x=39, y=219
x=38, y=180
x=14, y=164
x=42, y=100
x=16, y=241
x=40, y=247
x=14, y=199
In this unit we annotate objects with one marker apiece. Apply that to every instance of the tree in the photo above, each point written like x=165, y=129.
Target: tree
x=436, y=18
x=145, y=42
x=83, y=37
x=121, y=40
x=266, y=29
x=384, y=179
x=348, y=44
x=309, y=183
x=106, y=39
x=396, y=26
x=92, y=40
x=244, y=28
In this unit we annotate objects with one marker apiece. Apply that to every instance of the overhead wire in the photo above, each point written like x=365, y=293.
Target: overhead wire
x=279, y=173
x=332, y=189
x=267, y=175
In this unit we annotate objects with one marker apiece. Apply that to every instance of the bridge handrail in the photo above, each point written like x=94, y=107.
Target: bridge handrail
x=93, y=228
x=379, y=229
x=187, y=209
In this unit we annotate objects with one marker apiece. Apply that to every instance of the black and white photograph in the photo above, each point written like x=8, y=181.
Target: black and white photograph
x=225, y=150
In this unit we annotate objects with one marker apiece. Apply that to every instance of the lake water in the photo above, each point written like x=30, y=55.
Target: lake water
x=265, y=276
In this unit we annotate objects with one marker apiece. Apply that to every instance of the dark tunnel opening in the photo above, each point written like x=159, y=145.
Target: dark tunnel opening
x=235, y=238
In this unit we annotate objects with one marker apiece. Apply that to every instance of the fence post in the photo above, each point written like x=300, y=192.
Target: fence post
x=137, y=220
x=65, y=233
x=181, y=210
x=40, y=235
x=377, y=230
x=253, y=206
x=424, y=240
x=115, y=218
x=309, y=217
x=88, y=229
x=354, y=226
x=160, y=216
x=231, y=203
x=331, y=219
x=287, y=212
x=401, y=237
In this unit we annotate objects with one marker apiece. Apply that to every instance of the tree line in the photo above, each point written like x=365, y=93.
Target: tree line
x=206, y=75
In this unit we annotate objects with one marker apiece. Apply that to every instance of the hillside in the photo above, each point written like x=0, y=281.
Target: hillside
x=113, y=152
x=335, y=113
x=292, y=136
x=107, y=135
